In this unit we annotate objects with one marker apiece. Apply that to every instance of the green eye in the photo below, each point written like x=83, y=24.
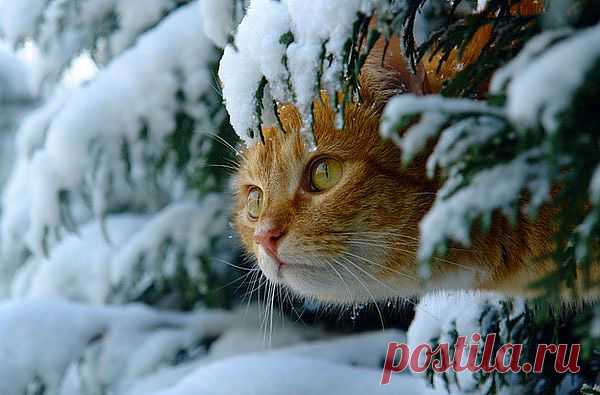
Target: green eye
x=254, y=203
x=324, y=174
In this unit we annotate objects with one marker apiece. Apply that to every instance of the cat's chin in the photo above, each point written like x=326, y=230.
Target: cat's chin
x=307, y=280
x=323, y=283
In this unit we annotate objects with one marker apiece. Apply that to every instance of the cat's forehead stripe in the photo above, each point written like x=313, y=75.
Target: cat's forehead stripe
x=277, y=165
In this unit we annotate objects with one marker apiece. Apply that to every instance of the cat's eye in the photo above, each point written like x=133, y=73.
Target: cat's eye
x=324, y=174
x=254, y=203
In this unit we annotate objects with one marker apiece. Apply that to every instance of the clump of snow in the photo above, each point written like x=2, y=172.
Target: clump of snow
x=82, y=138
x=439, y=312
x=63, y=29
x=81, y=70
x=257, y=53
x=456, y=141
x=19, y=19
x=16, y=196
x=283, y=43
x=439, y=317
x=122, y=268
x=15, y=83
x=42, y=340
x=219, y=18
x=133, y=350
x=595, y=185
x=188, y=228
x=540, y=90
x=348, y=366
x=434, y=112
x=454, y=211
x=72, y=271
x=532, y=49
x=481, y=5
x=272, y=374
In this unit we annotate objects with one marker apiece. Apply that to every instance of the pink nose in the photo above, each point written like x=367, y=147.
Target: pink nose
x=268, y=239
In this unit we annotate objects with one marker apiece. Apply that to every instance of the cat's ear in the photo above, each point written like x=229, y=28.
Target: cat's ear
x=386, y=73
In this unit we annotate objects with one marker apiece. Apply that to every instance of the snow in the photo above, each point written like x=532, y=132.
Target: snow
x=189, y=227
x=595, y=185
x=453, y=212
x=134, y=350
x=270, y=375
x=532, y=49
x=542, y=90
x=112, y=272
x=74, y=143
x=456, y=141
x=147, y=77
x=349, y=365
x=419, y=135
x=16, y=99
x=70, y=271
x=81, y=70
x=481, y=5
x=240, y=79
x=218, y=20
x=259, y=52
x=439, y=312
x=19, y=19
x=435, y=111
x=16, y=196
x=64, y=29
x=15, y=83
x=442, y=315
x=64, y=330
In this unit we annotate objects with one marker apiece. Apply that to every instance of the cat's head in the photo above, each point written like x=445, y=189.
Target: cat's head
x=340, y=223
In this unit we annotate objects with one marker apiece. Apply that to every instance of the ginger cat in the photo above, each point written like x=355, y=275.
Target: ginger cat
x=341, y=224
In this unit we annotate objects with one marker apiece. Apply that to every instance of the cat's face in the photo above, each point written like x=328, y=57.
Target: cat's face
x=340, y=223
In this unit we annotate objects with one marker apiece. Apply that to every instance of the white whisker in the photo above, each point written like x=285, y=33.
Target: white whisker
x=371, y=262
x=366, y=289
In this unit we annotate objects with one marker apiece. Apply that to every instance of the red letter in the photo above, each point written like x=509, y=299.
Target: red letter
x=388, y=366
x=414, y=358
x=488, y=349
x=472, y=354
x=540, y=355
x=515, y=356
x=572, y=365
x=459, y=349
x=443, y=364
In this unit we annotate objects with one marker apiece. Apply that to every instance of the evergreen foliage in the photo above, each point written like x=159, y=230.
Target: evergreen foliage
x=152, y=162
x=505, y=141
x=483, y=142
x=163, y=169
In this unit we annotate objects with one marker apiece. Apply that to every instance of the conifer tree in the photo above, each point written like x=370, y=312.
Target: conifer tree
x=513, y=126
x=133, y=163
x=143, y=138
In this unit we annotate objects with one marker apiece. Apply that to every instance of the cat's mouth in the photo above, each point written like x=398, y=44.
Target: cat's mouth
x=270, y=265
x=331, y=277
x=311, y=278
x=279, y=271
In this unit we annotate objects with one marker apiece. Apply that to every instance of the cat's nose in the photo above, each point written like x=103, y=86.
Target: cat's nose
x=268, y=239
